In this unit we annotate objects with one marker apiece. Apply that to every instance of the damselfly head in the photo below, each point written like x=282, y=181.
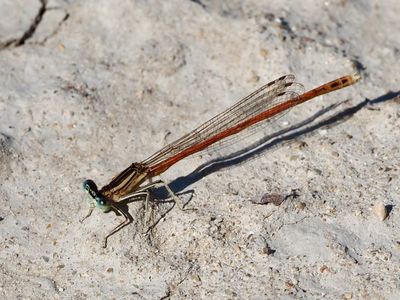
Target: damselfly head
x=100, y=201
x=89, y=185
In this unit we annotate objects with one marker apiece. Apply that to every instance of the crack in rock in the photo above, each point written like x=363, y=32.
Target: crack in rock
x=199, y=3
x=30, y=31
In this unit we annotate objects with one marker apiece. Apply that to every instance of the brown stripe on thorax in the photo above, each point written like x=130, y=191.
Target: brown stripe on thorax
x=125, y=182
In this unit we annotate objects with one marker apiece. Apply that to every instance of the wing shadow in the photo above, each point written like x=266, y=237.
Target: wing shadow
x=287, y=135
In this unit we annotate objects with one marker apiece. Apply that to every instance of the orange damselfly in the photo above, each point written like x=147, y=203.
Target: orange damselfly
x=263, y=104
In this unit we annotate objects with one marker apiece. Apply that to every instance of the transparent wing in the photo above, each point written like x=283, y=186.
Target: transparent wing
x=269, y=95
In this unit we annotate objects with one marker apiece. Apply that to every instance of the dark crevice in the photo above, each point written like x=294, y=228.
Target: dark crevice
x=30, y=31
x=6, y=44
x=199, y=3
x=56, y=30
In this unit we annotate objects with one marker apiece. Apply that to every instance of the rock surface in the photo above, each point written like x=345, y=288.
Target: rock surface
x=88, y=87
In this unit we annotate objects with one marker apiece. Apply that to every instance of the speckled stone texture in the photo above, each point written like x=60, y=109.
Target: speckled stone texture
x=88, y=87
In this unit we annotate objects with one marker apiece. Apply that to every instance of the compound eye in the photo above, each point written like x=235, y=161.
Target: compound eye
x=101, y=201
x=103, y=204
x=89, y=185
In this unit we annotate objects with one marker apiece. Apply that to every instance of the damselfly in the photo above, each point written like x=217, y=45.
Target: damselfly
x=263, y=105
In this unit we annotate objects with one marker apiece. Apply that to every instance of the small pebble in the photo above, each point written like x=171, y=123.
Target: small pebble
x=323, y=269
x=380, y=210
x=275, y=199
x=264, y=52
x=300, y=205
x=267, y=250
x=347, y=296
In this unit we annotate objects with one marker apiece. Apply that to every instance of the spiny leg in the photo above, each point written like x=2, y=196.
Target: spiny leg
x=147, y=187
x=128, y=220
x=146, y=194
x=174, y=197
x=161, y=182
x=143, y=191
x=92, y=206
x=146, y=208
